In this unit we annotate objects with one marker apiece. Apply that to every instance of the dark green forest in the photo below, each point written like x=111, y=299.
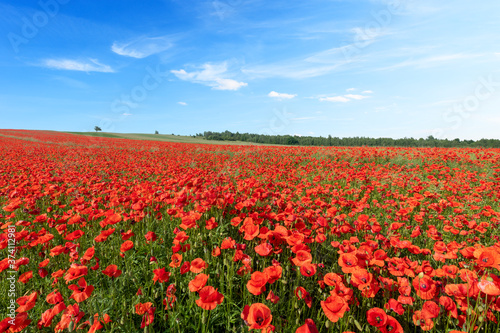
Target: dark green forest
x=354, y=141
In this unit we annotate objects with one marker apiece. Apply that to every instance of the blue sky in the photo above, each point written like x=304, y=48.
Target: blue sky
x=375, y=68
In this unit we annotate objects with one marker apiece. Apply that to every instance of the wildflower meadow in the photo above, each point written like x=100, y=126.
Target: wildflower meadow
x=118, y=235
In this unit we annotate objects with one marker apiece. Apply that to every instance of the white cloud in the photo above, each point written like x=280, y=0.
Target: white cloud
x=126, y=114
x=277, y=95
x=367, y=92
x=142, y=47
x=92, y=65
x=350, y=89
x=334, y=99
x=343, y=99
x=212, y=75
x=182, y=103
x=351, y=96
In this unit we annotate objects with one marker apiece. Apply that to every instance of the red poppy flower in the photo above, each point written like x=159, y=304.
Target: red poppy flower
x=127, y=235
x=112, y=271
x=71, y=314
x=26, y=302
x=198, y=265
x=258, y=316
x=425, y=287
x=209, y=298
x=257, y=283
x=17, y=325
x=25, y=277
x=211, y=224
x=430, y=310
x=186, y=265
x=147, y=311
x=272, y=297
x=490, y=285
x=75, y=272
x=104, y=235
x=54, y=297
x=176, y=260
x=449, y=306
x=127, y=245
x=198, y=282
x=487, y=257
x=391, y=326
x=302, y=257
x=334, y=307
x=161, y=275
x=264, y=249
x=302, y=293
x=74, y=235
x=308, y=327
x=43, y=272
x=89, y=254
x=82, y=291
x=273, y=273
x=395, y=306
x=376, y=317
x=426, y=324
x=142, y=308
x=228, y=243
x=150, y=236
x=308, y=269
x=348, y=262
x=332, y=279
x=216, y=252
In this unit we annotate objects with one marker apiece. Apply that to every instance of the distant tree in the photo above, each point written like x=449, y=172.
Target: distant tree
x=97, y=129
x=156, y=132
x=291, y=140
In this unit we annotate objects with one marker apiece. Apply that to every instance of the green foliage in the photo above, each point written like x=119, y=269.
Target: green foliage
x=349, y=142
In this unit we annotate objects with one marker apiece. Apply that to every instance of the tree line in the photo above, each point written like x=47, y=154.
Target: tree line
x=430, y=141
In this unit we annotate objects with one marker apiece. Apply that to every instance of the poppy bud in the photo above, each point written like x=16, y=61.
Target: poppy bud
x=152, y=259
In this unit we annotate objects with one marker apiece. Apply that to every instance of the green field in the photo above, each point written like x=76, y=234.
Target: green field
x=163, y=137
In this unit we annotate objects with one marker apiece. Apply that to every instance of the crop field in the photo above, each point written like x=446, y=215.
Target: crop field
x=120, y=235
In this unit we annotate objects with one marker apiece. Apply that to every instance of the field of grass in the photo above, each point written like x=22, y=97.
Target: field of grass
x=162, y=137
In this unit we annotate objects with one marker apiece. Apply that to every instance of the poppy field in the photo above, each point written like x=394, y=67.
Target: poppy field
x=117, y=235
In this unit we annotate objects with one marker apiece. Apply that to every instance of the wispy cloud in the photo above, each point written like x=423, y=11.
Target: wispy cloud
x=350, y=89
x=353, y=96
x=212, y=75
x=343, y=99
x=334, y=99
x=182, y=103
x=92, y=65
x=280, y=96
x=431, y=61
x=367, y=92
x=142, y=47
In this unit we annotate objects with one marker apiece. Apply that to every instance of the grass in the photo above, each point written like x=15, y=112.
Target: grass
x=163, y=137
